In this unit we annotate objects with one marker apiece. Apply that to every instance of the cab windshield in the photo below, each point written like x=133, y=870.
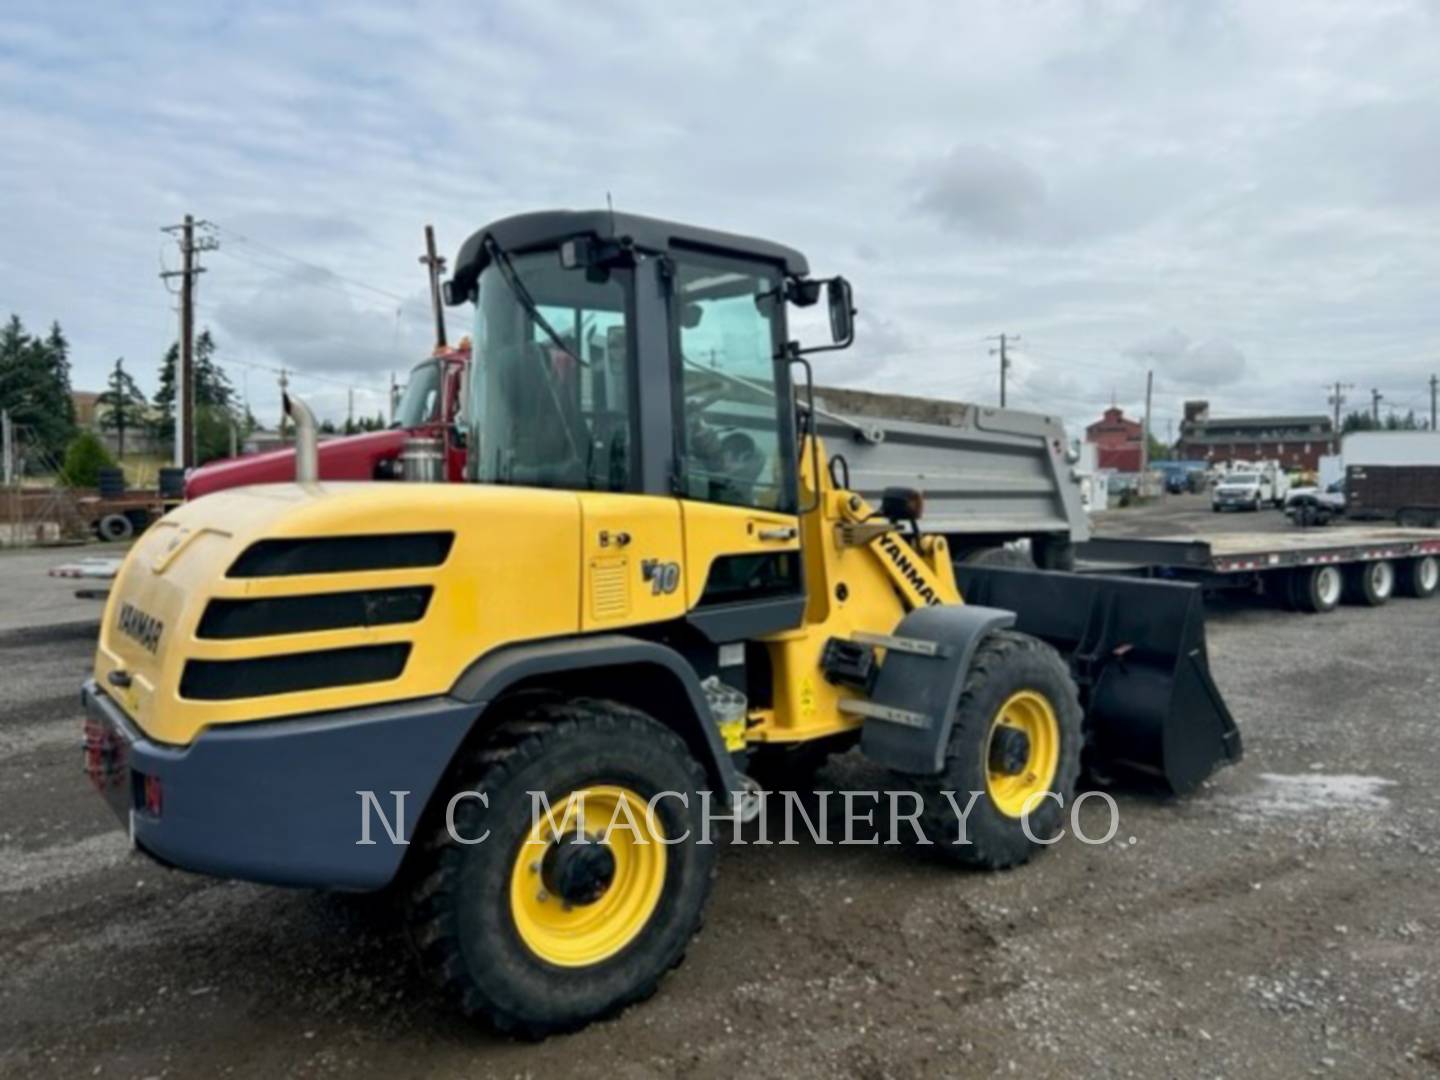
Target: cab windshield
x=547, y=413
x=420, y=404
x=1242, y=478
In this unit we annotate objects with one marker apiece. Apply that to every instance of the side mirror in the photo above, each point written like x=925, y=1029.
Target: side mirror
x=842, y=311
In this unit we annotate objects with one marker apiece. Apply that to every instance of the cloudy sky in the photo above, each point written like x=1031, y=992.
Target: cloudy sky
x=1244, y=197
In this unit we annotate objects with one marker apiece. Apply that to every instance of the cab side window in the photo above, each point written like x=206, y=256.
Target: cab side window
x=725, y=313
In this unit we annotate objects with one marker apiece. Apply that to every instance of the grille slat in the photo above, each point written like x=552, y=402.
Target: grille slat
x=342, y=554
x=227, y=619
x=226, y=680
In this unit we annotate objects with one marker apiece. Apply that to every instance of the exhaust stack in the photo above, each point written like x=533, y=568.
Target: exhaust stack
x=307, y=444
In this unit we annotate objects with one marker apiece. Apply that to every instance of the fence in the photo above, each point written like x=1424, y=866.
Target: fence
x=35, y=512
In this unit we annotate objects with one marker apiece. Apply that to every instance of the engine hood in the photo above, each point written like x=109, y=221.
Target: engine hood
x=352, y=457
x=508, y=570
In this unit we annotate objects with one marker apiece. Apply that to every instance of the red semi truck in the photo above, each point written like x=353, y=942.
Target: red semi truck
x=427, y=410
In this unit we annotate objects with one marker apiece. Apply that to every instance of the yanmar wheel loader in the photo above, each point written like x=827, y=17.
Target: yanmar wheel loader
x=656, y=585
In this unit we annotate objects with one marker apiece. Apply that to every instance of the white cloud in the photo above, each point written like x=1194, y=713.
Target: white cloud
x=1082, y=174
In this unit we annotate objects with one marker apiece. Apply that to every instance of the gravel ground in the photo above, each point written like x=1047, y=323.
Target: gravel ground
x=33, y=598
x=1281, y=923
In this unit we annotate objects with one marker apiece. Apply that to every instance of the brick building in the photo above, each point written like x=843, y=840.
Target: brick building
x=1117, y=440
x=1297, y=442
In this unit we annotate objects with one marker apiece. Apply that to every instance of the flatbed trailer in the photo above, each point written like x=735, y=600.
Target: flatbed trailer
x=1312, y=571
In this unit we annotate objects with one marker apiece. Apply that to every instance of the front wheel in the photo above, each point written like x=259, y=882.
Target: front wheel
x=1014, y=747
x=560, y=917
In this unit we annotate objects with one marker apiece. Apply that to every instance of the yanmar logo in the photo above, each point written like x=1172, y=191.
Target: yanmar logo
x=917, y=581
x=144, y=630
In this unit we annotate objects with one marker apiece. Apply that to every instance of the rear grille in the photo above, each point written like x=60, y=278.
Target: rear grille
x=342, y=554
x=229, y=619
x=226, y=680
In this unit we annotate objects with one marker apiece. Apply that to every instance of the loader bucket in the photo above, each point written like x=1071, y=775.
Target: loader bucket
x=1137, y=650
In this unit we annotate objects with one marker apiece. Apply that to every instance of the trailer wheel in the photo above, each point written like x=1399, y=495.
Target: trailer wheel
x=115, y=527
x=1419, y=578
x=553, y=922
x=1316, y=589
x=1015, y=743
x=1370, y=583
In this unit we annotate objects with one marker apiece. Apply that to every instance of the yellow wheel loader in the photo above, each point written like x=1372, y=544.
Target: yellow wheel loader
x=518, y=698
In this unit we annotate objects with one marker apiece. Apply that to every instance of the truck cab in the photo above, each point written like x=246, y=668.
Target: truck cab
x=428, y=409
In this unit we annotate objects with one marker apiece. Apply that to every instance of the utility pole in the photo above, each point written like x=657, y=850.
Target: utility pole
x=1004, y=339
x=189, y=270
x=349, y=410
x=7, y=446
x=435, y=266
x=1337, y=399
x=1375, y=398
x=284, y=385
x=1434, y=382
x=1145, y=438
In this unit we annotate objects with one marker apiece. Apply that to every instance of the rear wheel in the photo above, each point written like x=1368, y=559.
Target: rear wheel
x=1316, y=588
x=1419, y=578
x=558, y=919
x=1015, y=745
x=1370, y=583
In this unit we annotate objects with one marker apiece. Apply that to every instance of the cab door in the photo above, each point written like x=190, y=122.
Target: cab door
x=735, y=454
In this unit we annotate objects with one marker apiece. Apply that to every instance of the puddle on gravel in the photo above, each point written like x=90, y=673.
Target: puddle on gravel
x=1281, y=796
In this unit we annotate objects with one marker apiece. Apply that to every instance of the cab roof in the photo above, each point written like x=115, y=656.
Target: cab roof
x=548, y=228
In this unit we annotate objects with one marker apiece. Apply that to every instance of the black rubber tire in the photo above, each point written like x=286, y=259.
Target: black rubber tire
x=1370, y=583
x=1316, y=589
x=115, y=527
x=459, y=908
x=1418, y=578
x=1003, y=663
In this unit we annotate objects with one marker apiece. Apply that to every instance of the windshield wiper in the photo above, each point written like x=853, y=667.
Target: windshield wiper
x=501, y=260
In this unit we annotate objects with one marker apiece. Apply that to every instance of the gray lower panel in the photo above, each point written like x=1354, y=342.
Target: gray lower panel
x=277, y=802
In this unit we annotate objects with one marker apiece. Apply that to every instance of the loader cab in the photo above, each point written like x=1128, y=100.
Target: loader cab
x=619, y=353
x=615, y=353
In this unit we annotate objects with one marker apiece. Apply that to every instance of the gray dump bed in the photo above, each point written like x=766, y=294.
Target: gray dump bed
x=986, y=472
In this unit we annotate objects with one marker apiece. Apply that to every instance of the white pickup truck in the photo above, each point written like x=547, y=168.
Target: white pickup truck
x=1250, y=489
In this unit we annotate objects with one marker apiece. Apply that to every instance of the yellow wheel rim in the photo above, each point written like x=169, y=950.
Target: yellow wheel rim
x=1019, y=769
x=616, y=901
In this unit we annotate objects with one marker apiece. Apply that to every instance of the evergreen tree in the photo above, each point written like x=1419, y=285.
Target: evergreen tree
x=59, y=347
x=212, y=386
x=1357, y=421
x=34, y=386
x=84, y=458
x=124, y=405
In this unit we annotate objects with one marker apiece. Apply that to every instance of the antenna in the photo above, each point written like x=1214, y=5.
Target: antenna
x=610, y=205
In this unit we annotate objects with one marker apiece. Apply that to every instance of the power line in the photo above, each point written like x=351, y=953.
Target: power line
x=322, y=283
x=310, y=264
